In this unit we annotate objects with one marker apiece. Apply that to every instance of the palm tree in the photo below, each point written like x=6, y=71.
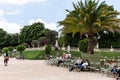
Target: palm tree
x=90, y=17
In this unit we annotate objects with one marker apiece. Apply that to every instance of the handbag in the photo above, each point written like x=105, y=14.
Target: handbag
x=6, y=57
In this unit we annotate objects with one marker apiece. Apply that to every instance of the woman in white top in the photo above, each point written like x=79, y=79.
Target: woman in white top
x=85, y=64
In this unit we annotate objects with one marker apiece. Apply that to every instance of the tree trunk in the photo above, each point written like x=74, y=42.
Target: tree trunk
x=90, y=43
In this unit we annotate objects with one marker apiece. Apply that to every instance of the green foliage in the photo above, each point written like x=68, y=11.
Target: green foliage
x=5, y=49
x=13, y=40
x=35, y=43
x=108, y=38
x=4, y=38
x=69, y=39
x=10, y=49
x=83, y=44
x=61, y=41
x=48, y=49
x=110, y=54
x=87, y=17
x=42, y=40
x=31, y=32
x=51, y=37
x=34, y=54
x=34, y=32
x=20, y=48
x=8, y=39
x=40, y=54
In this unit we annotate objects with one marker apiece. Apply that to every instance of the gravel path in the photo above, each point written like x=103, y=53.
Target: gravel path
x=38, y=70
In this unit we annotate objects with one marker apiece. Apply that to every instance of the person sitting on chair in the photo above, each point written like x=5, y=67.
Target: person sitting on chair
x=114, y=70
x=78, y=63
x=85, y=64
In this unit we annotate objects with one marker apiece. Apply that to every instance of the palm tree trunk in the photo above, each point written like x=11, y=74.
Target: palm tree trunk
x=90, y=44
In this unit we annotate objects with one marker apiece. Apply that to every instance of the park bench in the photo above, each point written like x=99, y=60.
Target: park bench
x=108, y=65
x=94, y=60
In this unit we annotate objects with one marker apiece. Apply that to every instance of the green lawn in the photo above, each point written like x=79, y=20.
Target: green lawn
x=40, y=54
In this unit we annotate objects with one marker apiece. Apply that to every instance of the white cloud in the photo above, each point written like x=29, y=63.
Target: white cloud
x=51, y=26
x=19, y=1
x=10, y=27
x=1, y=13
x=14, y=12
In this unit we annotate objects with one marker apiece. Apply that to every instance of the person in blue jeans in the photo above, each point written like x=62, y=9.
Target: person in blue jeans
x=78, y=63
x=114, y=70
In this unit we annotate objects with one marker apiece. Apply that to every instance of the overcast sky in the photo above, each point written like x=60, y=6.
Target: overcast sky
x=14, y=14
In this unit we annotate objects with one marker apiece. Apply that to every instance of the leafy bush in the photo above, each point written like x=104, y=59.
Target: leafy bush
x=83, y=45
x=5, y=49
x=48, y=49
x=21, y=48
x=10, y=49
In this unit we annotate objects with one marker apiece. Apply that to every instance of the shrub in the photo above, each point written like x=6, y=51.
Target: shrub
x=83, y=45
x=5, y=49
x=21, y=48
x=10, y=49
x=48, y=49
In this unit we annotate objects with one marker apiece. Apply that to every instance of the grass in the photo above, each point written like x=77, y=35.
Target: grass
x=110, y=54
x=34, y=54
x=40, y=54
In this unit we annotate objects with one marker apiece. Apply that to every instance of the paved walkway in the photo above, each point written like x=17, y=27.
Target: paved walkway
x=38, y=70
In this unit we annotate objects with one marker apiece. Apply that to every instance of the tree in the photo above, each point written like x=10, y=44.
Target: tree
x=42, y=41
x=51, y=36
x=35, y=43
x=13, y=40
x=4, y=38
x=108, y=39
x=89, y=18
x=31, y=32
x=72, y=40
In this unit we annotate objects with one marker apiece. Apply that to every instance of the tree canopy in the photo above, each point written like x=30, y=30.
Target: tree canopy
x=90, y=17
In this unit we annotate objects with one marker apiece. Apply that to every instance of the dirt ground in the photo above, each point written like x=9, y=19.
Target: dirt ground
x=38, y=70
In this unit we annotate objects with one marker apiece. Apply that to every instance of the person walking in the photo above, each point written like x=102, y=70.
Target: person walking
x=6, y=58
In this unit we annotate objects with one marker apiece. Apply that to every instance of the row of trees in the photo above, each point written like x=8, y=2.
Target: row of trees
x=106, y=39
x=34, y=35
